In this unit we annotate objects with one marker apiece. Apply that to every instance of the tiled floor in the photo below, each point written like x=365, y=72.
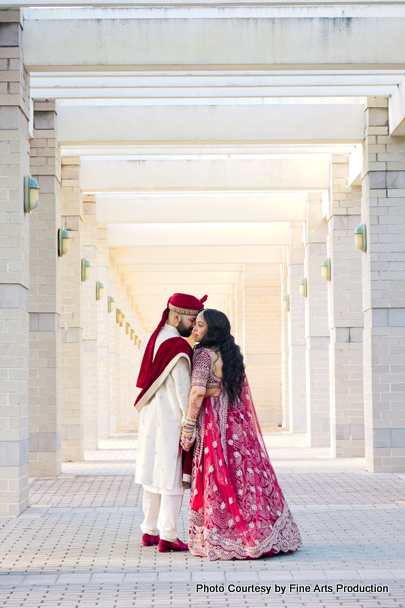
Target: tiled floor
x=78, y=545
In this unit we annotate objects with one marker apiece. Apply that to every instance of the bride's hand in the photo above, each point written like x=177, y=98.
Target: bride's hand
x=186, y=442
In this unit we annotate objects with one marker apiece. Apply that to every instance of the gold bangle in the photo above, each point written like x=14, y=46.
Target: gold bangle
x=191, y=419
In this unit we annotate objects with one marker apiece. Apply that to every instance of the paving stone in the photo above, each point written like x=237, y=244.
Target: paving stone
x=79, y=544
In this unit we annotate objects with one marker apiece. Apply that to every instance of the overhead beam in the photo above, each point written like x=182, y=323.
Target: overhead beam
x=204, y=234
x=61, y=83
x=249, y=254
x=114, y=175
x=210, y=93
x=254, y=36
x=396, y=111
x=170, y=277
x=280, y=207
x=150, y=270
x=143, y=291
x=309, y=123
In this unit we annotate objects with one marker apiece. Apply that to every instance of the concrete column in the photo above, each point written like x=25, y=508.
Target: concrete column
x=285, y=381
x=239, y=312
x=232, y=319
x=383, y=212
x=316, y=326
x=123, y=358
x=103, y=335
x=90, y=379
x=118, y=371
x=263, y=339
x=44, y=300
x=296, y=331
x=71, y=317
x=132, y=352
x=346, y=316
x=112, y=352
x=14, y=269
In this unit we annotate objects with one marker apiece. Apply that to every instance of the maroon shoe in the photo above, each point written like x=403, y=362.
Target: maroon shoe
x=165, y=546
x=149, y=539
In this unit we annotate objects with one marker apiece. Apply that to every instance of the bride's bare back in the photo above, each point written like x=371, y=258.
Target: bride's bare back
x=217, y=369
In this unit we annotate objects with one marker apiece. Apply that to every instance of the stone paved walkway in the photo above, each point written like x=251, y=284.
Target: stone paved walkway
x=78, y=545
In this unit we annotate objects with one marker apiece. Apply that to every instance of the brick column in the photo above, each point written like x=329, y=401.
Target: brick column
x=263, y=339
x=44, y=300
x=112, y=356
x=285, y=381
x=296, y=331
x=72, y=312
x=383, y=211
x=239, y=312
x=346, y=316
x=232, y=319
x=103, y=335
x=14, y=268
x=316, y=326
x=90, y=378
x=118, y=351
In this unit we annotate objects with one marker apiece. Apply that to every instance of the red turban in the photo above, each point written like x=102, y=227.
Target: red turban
x=182, y=303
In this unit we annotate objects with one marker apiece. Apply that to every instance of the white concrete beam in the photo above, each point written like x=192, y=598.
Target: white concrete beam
x=396, y=111
x=254, y=36
x=280, y=207
x=181, y=3
x=248, y=254
x=262, y=174
x=204, y=234
x=150, y=270
x=146, y=84
x=310, y=123
x=150, y=291
x=180, y=276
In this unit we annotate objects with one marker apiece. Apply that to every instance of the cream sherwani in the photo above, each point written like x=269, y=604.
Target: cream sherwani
x=158, y=460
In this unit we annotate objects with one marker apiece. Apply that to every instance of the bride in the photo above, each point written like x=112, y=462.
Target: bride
x=237, y=509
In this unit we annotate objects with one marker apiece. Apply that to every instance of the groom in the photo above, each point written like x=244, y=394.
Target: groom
x=164, y=378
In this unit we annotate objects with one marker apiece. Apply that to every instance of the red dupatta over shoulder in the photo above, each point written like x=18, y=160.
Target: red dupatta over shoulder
x=168, y=353
x=155, y=369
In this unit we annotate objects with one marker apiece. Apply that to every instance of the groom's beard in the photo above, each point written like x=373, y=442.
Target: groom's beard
x=183, y=331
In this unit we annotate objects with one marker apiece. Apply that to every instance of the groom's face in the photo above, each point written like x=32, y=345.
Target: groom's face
x=186, y=324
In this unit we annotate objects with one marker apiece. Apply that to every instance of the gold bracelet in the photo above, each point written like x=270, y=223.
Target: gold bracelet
x=191, y=419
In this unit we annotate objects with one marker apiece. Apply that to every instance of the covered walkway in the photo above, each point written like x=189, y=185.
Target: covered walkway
x=79, y=543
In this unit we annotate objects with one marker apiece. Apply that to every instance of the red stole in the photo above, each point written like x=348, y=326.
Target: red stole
x=169, y=349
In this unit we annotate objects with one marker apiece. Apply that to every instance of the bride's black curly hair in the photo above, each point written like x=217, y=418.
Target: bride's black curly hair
x=219, y=339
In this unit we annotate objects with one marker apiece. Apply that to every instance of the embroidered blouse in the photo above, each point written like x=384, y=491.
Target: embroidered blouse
x=203, y=374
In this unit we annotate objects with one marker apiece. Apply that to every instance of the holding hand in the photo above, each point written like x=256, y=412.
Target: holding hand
x=186, y=442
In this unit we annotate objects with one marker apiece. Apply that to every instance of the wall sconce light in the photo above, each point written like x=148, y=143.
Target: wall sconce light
x=31, y=188
x=63, y=242
x=122, y=320
x=326, y=270
x=99, y=290
x=132, y=334
x=127, y=326
x=85, y=269
x=286, y=303
x=118, y=316
x=360, y=237
x=110, y=303
x=303, y=287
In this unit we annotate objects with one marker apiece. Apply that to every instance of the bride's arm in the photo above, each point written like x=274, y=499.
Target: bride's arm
x=197, y=395
x=199, y=378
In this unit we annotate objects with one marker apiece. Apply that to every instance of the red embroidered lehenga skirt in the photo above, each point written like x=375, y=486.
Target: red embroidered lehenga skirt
x=237, y=509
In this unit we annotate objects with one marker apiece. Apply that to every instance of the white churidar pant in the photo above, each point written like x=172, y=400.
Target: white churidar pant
x=163, y=521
